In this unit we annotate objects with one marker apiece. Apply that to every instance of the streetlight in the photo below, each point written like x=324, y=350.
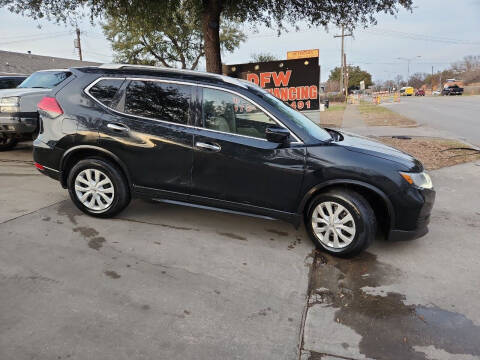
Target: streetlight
x=408, y=64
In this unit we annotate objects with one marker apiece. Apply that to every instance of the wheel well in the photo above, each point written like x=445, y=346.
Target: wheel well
x=78, y=155
x=378, y=204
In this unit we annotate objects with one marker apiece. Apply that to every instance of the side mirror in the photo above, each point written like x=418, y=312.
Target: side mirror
x=277, y=135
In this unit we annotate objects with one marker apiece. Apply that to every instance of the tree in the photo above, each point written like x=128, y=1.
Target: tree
x=210, y=12
x=263, y=57
x=417, y=80
x=355, y=75
x=177, y=40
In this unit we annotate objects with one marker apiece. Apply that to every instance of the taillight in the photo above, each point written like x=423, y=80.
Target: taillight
x=51, y=106
x=39, y=166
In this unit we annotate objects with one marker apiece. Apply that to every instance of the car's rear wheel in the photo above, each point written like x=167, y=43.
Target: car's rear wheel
x=7, y=141
x=98, y=187
x=341, y=222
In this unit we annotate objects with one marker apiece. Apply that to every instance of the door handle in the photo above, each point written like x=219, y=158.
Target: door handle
x=206, y=146
x=117, y=127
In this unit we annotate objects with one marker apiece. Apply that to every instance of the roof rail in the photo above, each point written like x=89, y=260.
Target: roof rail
x=225, y=78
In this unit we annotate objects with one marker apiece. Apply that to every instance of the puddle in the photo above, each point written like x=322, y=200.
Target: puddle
x=112, y=274
x=389, y=328
x=66, y=208
x=95, y=242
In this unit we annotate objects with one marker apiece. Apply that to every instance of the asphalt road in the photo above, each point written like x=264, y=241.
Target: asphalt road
x=167, y=282
x=459, y=115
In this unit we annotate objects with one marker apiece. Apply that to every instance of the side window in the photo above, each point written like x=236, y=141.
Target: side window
x=227, y=112
x=158, y=100
x=4, y=84
x=105, y=90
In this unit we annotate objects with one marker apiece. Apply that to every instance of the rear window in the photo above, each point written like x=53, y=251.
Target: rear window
x=105, y=90
x=45, y=79
x=158, y=100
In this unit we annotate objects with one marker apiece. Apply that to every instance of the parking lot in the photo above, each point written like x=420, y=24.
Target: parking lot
x=168, y=282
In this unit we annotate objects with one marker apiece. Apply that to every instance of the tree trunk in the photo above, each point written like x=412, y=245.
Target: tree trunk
x=211, y=34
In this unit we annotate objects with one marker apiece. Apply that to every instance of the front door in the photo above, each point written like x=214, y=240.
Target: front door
x=234, y=162
x=152, y=134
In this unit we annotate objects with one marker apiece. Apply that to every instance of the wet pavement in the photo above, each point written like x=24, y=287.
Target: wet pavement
x=167, y=282
x=406, y=300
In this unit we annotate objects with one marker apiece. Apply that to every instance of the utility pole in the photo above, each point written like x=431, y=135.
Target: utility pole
x=408, y=64
x=346, y=75
x=432, y=79
x=342, y=58
x=77, y=44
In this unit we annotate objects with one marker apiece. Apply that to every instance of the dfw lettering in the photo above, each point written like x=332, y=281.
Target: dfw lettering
x=282, y=91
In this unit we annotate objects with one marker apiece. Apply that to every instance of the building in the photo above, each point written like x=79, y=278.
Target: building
x=21, y=63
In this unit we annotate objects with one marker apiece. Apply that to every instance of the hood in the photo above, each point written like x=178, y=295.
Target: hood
x=22, y=91
x=367, y=146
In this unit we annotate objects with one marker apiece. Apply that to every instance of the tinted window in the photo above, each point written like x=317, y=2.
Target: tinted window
x=105, y=90
x=9, y=83
x=157, y=100
x=44, y=79
x=295, y=116
x=227, y=112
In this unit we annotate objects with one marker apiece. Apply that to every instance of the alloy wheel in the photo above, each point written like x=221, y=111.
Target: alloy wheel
x=333, y=224
x=94, y=189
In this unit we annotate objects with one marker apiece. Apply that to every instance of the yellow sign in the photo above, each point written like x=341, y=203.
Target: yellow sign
x=302, y=54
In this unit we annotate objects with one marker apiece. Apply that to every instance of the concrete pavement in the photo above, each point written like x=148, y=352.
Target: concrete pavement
x=406, y=300
x=158, y=282
x=168, y=282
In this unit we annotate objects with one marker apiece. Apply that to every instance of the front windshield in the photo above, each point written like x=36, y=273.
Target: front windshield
x=297, y=117
x=44, y=79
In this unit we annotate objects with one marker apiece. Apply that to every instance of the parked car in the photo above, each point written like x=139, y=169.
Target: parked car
x=436, y=93
x=18, y=106
x=116, y=132
x=11, y=81
x=420, y=92
x=406, y=91
x=452, y=90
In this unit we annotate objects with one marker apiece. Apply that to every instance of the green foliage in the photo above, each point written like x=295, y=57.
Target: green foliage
x=263, y=57
x=355, y=75
x=149, y=14
x=177, y=40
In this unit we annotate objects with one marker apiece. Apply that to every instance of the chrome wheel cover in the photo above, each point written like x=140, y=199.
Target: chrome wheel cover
x=94, y=189
x=333, y=225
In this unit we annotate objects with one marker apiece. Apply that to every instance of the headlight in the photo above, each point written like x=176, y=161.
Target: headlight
x=10, y=104
x=421, y=180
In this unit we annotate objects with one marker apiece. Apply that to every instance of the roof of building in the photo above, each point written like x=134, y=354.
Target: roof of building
x=21, y=63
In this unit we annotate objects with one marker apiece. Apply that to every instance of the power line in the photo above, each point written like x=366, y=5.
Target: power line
x=42, y=37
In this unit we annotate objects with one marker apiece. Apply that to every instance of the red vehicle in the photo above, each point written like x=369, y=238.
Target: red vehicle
x=420, y=92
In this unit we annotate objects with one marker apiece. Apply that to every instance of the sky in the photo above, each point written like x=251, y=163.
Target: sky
x=436, y=33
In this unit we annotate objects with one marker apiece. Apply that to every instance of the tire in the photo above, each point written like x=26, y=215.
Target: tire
x=348, y=236
x=110, y=188
x=7, y=141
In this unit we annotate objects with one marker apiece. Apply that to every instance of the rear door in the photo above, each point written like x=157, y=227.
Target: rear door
x=233, y=161
x=151, y=132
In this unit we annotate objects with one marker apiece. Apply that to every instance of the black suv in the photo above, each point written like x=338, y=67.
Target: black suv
x=112, y=132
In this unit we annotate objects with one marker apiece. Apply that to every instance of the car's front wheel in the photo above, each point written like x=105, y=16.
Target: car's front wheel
x=98, y=187
x=341, y=222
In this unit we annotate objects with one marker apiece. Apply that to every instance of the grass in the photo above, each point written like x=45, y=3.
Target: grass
x=434, y=153
x=375, y=115
x=333, y=116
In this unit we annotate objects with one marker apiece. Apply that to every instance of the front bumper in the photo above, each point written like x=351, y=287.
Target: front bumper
x=413, y=219
x=15, y=124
